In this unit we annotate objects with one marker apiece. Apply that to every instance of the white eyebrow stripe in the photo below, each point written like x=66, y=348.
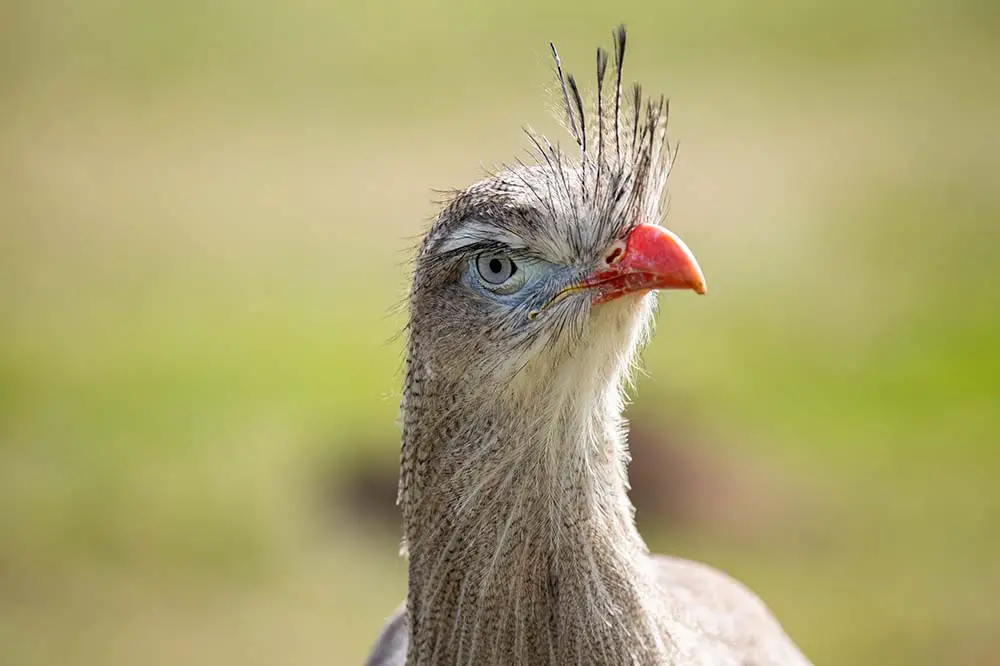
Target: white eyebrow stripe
x=478, y=232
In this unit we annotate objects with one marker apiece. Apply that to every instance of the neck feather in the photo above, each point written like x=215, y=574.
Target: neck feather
x=520, y=534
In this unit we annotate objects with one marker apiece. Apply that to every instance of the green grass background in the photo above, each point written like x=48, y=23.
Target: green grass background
x=206, y=211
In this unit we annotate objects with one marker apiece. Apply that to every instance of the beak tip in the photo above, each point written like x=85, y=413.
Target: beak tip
x=690, y=267
x=698, y=284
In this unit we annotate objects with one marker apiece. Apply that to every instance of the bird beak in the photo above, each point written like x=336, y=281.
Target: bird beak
x=652, y=258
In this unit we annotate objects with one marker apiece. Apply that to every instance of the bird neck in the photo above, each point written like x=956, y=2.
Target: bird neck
x=520, y=534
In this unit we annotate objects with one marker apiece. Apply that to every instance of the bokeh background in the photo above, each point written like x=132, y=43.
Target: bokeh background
x=206, y=212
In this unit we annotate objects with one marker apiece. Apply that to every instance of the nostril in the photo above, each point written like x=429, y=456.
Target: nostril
x=614, y=256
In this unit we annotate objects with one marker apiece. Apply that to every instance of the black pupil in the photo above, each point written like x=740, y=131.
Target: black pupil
x=496, y=265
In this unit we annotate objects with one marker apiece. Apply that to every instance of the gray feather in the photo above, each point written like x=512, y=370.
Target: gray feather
x=519, y=533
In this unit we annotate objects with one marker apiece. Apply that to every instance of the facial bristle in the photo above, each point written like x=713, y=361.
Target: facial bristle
x=578, y=102
x=636, y=109
x=619, y=35
x=602, y=65
x=562, y=84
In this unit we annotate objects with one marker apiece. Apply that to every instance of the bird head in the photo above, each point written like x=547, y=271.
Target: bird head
x=557, y=260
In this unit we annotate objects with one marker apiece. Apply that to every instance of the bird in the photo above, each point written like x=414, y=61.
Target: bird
x=532, y=294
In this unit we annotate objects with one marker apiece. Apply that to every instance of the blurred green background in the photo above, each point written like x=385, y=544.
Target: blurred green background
x=206, y=212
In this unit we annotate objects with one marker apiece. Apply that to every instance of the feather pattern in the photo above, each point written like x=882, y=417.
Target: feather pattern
x=518, y=529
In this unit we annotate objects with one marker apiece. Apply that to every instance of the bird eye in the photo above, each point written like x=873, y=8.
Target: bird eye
x=495, y=269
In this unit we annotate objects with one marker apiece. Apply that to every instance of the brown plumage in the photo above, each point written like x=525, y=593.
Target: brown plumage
x=531, y=295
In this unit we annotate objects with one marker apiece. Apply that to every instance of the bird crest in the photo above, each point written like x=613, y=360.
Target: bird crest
x=624, y=156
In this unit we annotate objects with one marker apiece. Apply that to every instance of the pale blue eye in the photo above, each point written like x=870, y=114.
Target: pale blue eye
x=498, y=272
x=495, y=268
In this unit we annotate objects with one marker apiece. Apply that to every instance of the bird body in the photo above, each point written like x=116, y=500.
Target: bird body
x=531, y=296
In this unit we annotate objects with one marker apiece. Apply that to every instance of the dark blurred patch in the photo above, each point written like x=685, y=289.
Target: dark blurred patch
x=682, y=481
x=679, y=481
x=366, y=492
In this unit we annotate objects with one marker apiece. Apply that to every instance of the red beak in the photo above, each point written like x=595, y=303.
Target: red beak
x=652, y=258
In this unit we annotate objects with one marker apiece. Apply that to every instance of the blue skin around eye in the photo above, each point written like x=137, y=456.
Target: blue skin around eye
x=542, y=280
